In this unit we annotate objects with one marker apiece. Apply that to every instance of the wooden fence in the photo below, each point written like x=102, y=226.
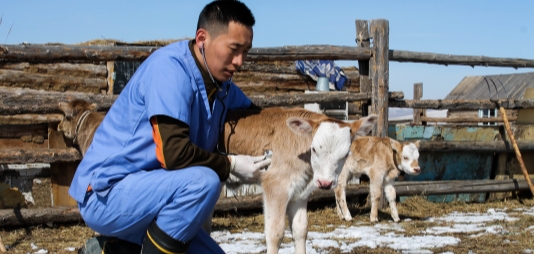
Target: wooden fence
x=29, y=115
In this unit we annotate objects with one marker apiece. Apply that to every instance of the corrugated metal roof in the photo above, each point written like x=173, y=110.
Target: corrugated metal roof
x=483, y=87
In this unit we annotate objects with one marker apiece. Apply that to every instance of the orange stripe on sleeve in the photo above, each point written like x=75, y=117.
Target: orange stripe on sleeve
x=157, y=139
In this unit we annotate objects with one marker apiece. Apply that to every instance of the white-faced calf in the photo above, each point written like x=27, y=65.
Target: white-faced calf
x=382, y=160
x=308, y=152
x=79, y=123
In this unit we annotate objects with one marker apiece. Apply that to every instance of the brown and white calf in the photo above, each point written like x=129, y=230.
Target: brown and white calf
x=382, y=160
x=79, y=123
x=308, y=152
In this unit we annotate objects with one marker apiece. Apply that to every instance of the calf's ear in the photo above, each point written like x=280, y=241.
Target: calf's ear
x=300, y=126
x=417, y=143
x=363, y=126
x=93, y=107
x=396, y=145
x=67, y=110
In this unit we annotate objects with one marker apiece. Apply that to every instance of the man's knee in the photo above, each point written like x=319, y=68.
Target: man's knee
x=209, y=182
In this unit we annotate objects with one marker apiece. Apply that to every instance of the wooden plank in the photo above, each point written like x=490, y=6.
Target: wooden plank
x=61, y=173
x=379, y=66
x=448, y=59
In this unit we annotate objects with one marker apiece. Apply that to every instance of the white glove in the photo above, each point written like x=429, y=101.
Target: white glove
x=248, y=168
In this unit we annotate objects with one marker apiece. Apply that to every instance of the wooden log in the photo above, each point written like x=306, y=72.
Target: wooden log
x=28, y=217
x=474, y=146
x=294, y=99
x=448, y=59
x=86, y=70
x=41, y=53
x=465, y=119
x=9, y=78
x=27, y=119
x=44, y=155
x=39, y=155
x=402, y=189
x=463, y=104
x=27, y=101
x=363, y=40
x=379, y=73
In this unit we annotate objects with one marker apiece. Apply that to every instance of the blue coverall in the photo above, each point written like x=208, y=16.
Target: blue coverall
x=130, y=189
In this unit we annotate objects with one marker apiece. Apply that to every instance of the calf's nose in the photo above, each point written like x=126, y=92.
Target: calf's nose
x=417, y=169
x=324, y=184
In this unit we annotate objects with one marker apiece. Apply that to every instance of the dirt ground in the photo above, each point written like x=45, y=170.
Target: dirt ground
x=67, y=238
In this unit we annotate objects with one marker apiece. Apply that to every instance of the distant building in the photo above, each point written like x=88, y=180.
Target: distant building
x=503, y=86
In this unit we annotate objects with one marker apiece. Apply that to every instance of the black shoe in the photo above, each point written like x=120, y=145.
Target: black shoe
x=108, y=245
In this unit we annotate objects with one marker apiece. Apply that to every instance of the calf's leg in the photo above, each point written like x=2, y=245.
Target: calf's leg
x=274, y=210
x=391, y=195
x=341, y=200
x=298, y=220
x=375, y=189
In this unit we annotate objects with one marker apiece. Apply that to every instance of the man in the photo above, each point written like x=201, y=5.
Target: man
x=150, y=176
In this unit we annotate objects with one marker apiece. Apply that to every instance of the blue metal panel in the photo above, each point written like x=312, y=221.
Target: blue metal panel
x=449, y=165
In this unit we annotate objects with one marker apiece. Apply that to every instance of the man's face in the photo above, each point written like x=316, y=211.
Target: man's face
x=226, y=52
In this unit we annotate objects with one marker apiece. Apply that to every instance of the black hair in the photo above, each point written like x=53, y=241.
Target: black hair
x=217, y=15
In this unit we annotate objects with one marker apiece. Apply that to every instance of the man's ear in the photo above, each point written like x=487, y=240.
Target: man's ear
x=201, y=37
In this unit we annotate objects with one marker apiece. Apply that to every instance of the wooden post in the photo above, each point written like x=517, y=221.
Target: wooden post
x=364, y=41
x=379, y=72
x=110, y=65
x=61, y=174
x=417, y=95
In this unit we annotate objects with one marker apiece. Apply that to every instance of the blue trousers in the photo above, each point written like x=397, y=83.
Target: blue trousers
x=179, y=200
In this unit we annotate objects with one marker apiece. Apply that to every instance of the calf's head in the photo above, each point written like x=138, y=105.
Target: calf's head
x=74, y=113
x=407, y=156
x=330, y=145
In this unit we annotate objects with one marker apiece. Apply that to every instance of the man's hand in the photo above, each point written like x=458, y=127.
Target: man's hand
x=248, y=168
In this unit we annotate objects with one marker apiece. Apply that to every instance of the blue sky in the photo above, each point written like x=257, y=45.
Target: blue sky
x=487, y=28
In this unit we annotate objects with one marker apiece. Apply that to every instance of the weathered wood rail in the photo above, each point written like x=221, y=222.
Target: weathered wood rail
x=27, y=217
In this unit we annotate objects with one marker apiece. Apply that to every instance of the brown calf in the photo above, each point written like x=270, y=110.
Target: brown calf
x=382, y=160
x=79, y=123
